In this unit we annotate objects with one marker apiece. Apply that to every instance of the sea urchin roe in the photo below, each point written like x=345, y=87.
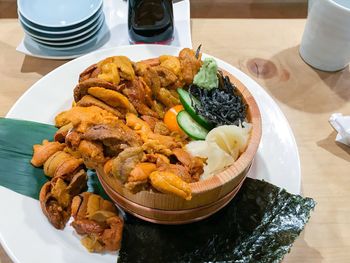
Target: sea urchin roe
x=218, y=106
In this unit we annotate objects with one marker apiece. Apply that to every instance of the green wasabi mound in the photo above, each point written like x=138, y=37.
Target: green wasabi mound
x=207, y=76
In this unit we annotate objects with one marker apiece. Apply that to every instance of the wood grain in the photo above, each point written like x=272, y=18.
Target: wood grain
x=3, y=256
x=8, y=9
x=218, y=8
x=170, y=217
x=306, y=96
x=248, y=9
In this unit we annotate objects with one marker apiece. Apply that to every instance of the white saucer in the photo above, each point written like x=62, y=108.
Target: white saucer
x=57, y=33
x=42, y=51
x=58, y=13
x=73, y=44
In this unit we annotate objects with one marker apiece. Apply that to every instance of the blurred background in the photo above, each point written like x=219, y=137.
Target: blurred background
x=218, y=8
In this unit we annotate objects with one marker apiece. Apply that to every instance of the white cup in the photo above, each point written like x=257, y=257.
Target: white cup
x=326, y=40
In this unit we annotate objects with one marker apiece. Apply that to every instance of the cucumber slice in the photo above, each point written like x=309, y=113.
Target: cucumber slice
x=186, y=99
x=190, y=126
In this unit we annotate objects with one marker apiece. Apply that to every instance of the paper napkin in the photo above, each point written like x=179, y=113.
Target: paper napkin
x=341, y=124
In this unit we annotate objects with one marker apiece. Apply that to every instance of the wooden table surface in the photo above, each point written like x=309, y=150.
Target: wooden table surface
x=267, y=50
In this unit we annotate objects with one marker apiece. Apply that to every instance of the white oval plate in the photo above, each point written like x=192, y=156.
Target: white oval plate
x=26, y=234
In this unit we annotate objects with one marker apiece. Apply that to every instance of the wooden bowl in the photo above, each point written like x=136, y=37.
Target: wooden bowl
x=168, y=217
x=208, y=196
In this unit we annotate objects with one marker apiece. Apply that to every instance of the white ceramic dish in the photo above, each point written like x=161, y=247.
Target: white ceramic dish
x=98, y=41
x=76, y=41
x=58, y=32
x=62, y=37
x=23, y=227
x=58, y=13
x=81, y=45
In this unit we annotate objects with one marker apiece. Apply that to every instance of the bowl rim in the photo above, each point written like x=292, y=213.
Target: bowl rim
x=132, y=207
x=109, y=188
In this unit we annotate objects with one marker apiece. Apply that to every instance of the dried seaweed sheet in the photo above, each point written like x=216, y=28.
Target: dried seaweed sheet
x=259, y=225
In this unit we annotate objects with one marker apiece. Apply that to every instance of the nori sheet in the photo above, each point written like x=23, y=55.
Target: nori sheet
x=259, y=225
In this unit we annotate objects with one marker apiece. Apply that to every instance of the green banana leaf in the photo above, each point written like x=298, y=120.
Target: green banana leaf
x=17, y=138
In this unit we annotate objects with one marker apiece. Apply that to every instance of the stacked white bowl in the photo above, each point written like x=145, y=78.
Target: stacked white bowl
x=61, y=24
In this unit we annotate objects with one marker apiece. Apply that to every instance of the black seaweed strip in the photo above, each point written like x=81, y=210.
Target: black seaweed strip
x=219, y=106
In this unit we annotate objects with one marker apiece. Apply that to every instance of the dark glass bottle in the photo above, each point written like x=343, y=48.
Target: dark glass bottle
x=150, y=21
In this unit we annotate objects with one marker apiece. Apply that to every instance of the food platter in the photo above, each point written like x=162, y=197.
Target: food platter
x=277, y=160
